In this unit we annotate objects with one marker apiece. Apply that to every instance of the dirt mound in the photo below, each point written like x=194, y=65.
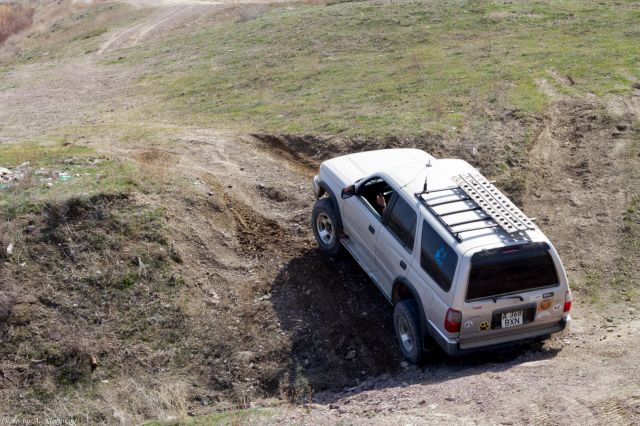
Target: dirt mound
x=499, y=149
x=88, y=283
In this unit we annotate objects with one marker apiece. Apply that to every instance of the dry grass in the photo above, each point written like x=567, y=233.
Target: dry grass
x=14, y=18
x=156, y=165
x=135, y=401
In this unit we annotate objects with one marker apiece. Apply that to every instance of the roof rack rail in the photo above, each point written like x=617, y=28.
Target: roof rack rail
x=476, y=193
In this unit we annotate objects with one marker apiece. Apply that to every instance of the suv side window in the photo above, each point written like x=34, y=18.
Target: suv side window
x=402, y=222
x=437, y=258
x=369, y=192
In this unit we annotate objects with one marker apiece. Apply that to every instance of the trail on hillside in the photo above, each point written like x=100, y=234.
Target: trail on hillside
x=271, y=316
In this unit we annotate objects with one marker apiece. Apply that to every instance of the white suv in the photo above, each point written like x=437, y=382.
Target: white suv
x=461, y=264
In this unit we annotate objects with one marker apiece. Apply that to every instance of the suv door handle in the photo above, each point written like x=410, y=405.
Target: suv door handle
x=403, y=265
x=371, y=229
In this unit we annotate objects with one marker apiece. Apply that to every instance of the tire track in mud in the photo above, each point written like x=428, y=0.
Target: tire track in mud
x=612, y=410
x=177, y=14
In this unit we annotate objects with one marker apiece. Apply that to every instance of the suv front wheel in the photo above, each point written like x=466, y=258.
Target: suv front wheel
x=324, y=223
x=407, y=325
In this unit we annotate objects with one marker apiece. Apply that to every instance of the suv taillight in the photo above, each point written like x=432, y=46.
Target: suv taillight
x=452, y=320
x=567, y=301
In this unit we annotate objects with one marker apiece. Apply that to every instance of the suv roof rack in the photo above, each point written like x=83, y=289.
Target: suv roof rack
x=475, y=193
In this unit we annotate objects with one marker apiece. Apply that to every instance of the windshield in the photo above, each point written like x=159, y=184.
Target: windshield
x=511, y=270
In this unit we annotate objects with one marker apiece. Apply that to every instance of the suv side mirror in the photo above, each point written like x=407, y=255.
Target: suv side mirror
x=348, y=191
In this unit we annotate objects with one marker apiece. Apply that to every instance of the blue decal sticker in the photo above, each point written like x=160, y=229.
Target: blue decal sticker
x=440, y=256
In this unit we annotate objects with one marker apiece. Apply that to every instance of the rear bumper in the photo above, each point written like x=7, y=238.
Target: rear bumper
x=455, y=348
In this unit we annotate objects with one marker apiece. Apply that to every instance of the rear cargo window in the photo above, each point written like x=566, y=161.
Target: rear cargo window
x=437, y=258
x=511, y=270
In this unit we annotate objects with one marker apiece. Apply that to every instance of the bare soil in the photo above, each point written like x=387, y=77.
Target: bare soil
x=233, y=306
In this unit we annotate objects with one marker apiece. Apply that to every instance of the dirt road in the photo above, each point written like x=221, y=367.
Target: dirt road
x=248, y=226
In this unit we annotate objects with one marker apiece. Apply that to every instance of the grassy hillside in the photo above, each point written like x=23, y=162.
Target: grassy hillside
x=401, y=68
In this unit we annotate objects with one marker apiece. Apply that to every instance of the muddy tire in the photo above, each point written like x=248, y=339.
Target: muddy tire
x=407, y=324
x=324, y=223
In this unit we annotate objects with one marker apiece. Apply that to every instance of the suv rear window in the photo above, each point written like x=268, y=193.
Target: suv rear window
x=437, y=258
x=511, y=270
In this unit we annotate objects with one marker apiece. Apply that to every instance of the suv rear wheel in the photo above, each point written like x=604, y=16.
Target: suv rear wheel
x=407, y=325
x=324, y=223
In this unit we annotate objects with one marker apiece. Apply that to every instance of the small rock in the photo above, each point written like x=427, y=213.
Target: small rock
x=93, y=360
x=245, y=356
x=574, y=201
x=351, y=355
x=404, y=364
x=621, y=127
x=449, y=398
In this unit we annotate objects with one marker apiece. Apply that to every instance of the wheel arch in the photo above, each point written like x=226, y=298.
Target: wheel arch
x=326, y=190
x=403, y=289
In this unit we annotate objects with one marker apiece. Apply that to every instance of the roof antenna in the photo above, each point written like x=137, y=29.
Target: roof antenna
x=424, y=188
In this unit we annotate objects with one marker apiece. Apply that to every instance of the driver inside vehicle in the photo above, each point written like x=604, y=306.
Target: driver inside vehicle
x=381, y=204
x=376, y=193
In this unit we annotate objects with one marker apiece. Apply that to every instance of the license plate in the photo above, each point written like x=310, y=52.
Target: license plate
x=511, y=319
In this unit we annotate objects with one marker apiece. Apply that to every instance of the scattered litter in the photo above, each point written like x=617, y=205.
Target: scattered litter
x=261, y=298
x=63, y=176
x=351, y=354
x=8, y=175
x=10, y=249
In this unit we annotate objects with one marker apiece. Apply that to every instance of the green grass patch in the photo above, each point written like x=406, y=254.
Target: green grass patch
x=389, y=68
x=56, y=171
x=233, y=417
x=39, y=154
x=90, y=34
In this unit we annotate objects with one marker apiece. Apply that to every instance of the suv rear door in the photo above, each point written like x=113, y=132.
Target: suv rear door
x=437, y=269
x=396, y=239
x=510, y=290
